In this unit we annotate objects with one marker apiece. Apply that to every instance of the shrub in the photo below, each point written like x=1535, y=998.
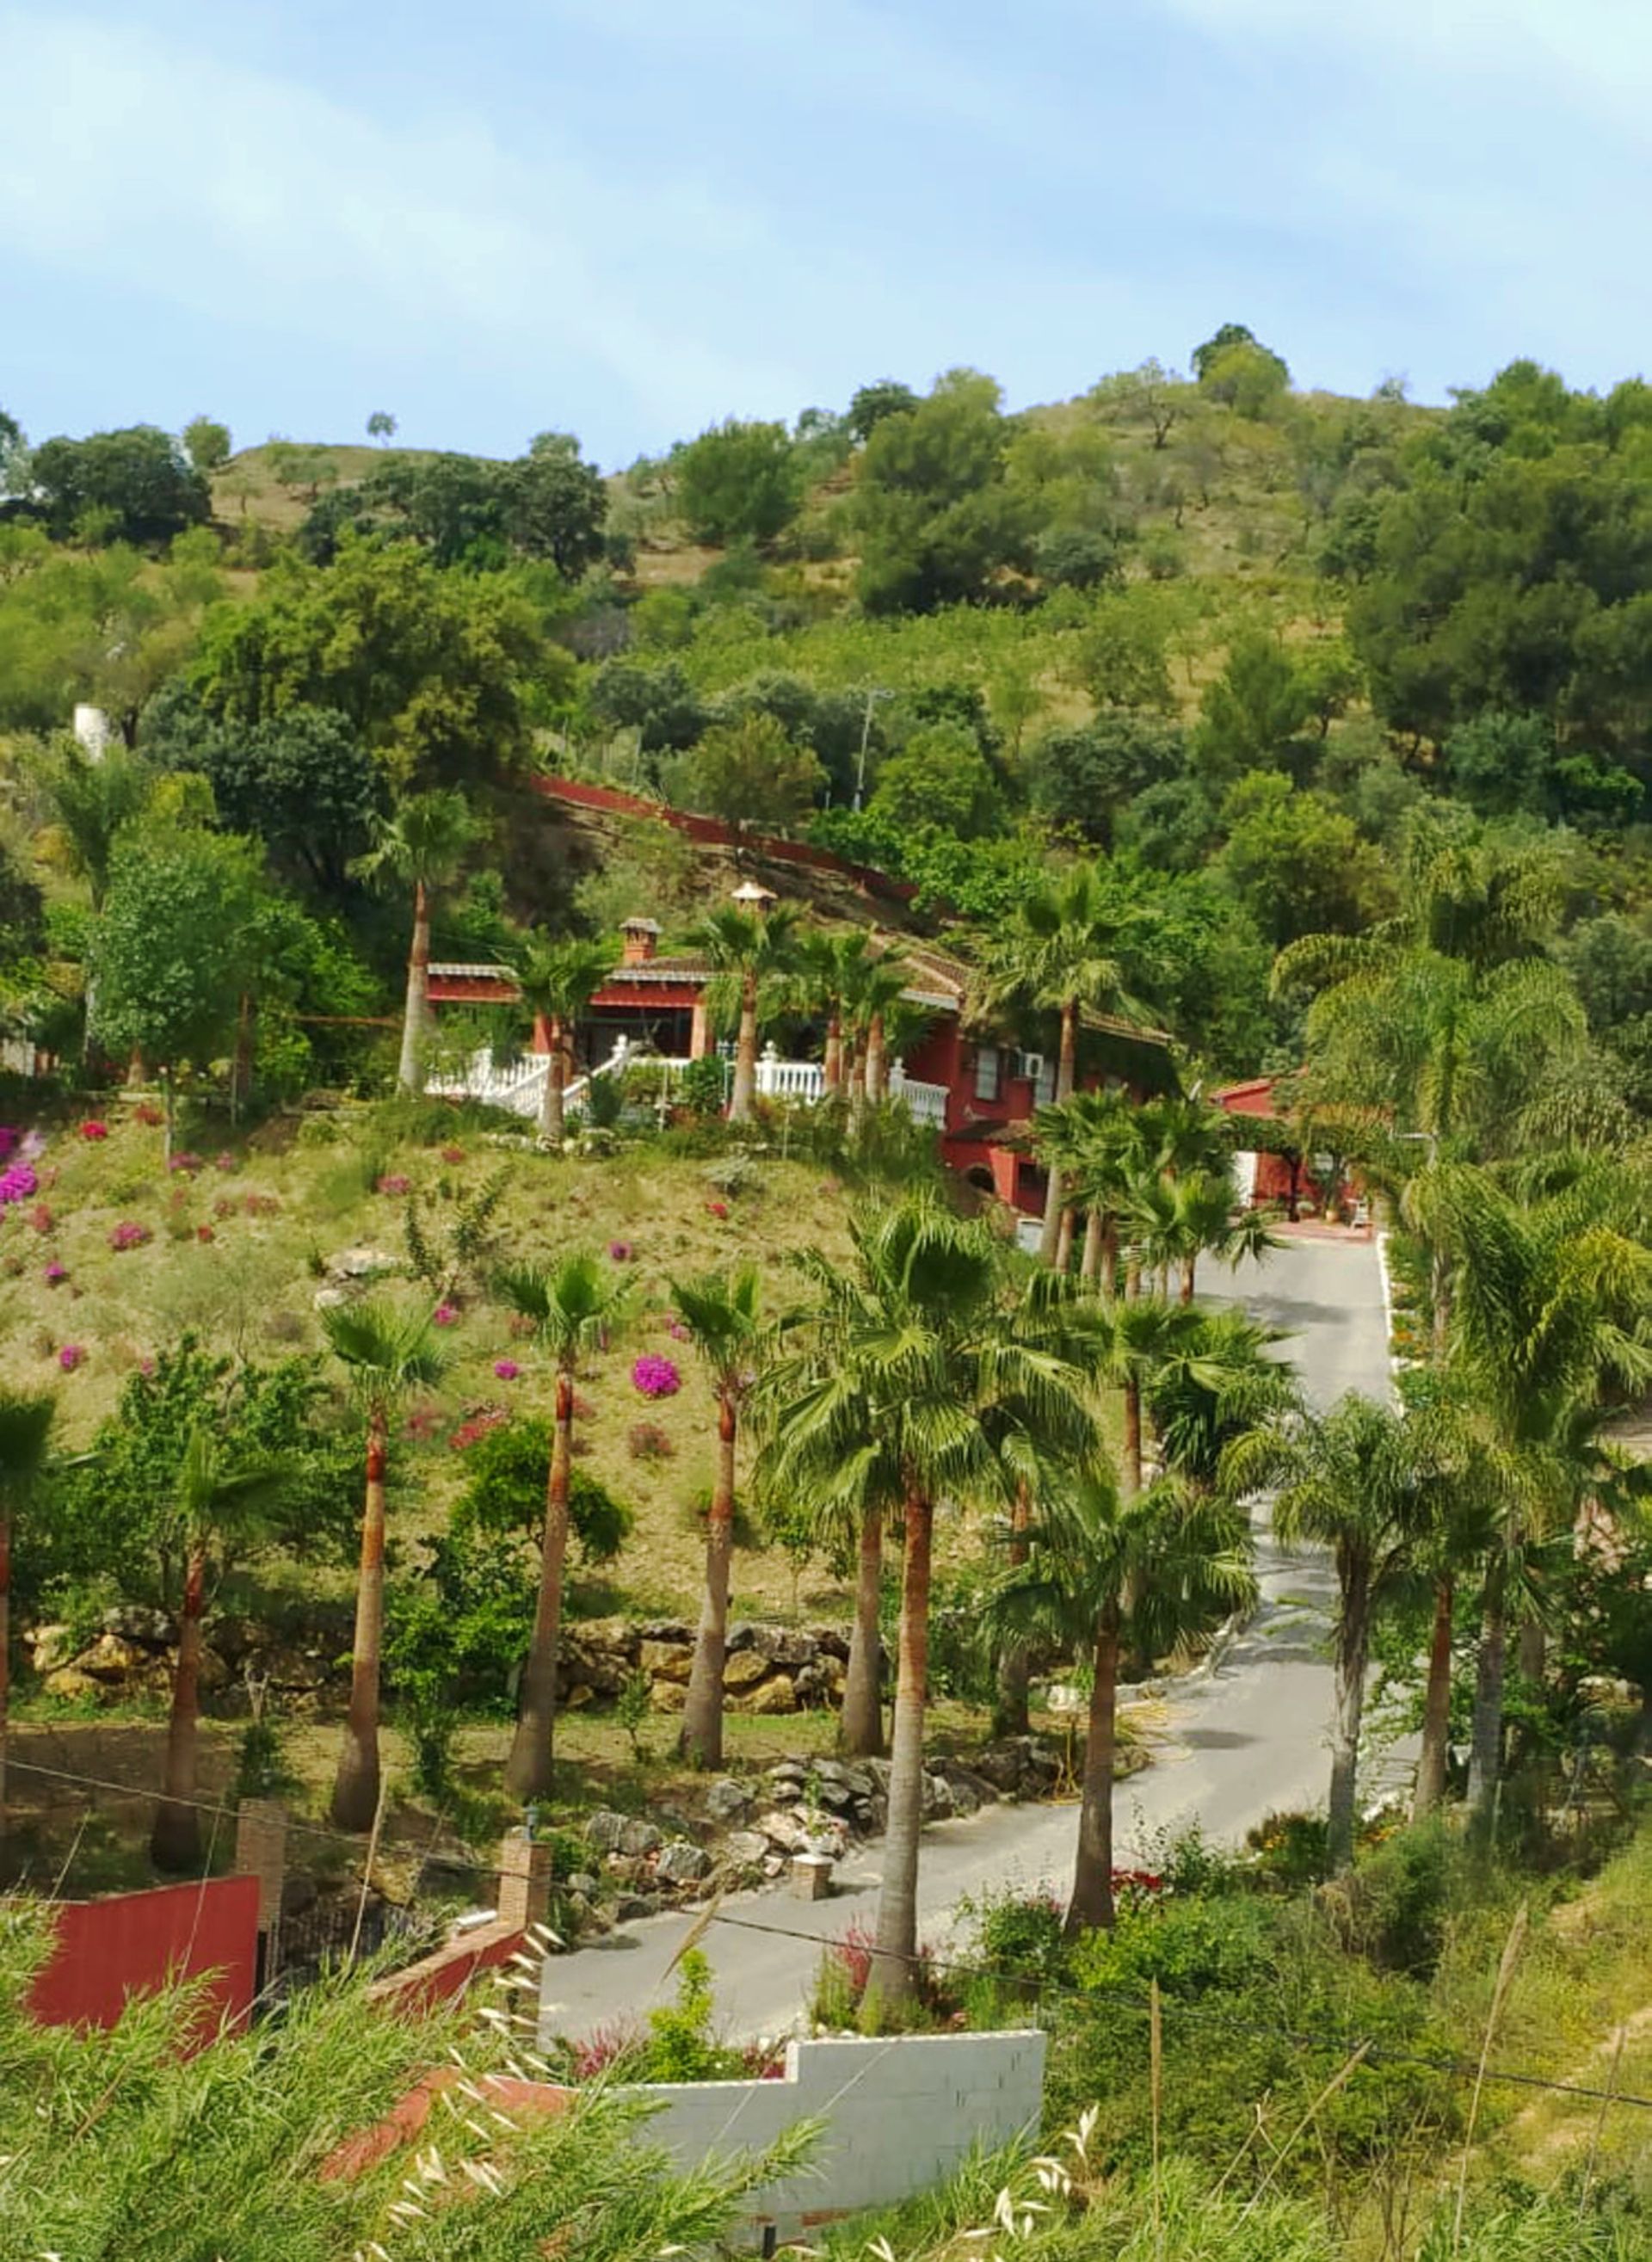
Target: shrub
x=647, y=1441
x=509, y=1467
x=655, y=1376
x=1191, y=1947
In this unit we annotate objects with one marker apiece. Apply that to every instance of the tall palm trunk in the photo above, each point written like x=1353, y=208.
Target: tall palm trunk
x=702, y=1712
x=876, y=1062
x=861, y=1726
x=1132, y=1470
x=1091, y=1897
x=831, y=1070
x=530, y=1770
x=1064, y=1238
x=1190, y=1270
x=857, y=1086
x=1090, y=1256
x=1010, y=1716
x=556, y=1080
x=1432, y=1755
x=175, y=1842
x=1352, y=1654
x=739, y=1106
x=417, y=1007
x=1066, y=1072
x=1485, y=1741
x=355, y=1784
x=892, y=1977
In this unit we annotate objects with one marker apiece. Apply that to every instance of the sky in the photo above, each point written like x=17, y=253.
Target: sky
x=628, y=218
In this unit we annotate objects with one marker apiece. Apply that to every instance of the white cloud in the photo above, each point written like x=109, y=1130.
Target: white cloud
x=257, y=201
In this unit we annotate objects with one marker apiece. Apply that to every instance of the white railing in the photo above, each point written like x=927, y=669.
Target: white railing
x=925, y=1102
x=793, y=1080
x=520, y=1086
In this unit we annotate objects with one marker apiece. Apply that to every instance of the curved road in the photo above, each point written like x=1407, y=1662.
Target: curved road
x=1230, y=1746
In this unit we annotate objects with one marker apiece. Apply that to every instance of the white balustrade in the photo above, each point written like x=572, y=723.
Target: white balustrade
x=793, y=1080
x=926, y=1103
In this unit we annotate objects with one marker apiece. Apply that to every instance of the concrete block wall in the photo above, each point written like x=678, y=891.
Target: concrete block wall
x=900, y=2115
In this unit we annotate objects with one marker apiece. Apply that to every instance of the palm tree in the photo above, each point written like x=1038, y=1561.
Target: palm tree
x=1095, y=1138
x=1109, y=1570
x=752, y=953
x=1171, y=1222
x=723, y=1315
x=825, y=960
x=92, y=801
x=899, y=1357
x=573, y=1308
x=215, y=1493
x=558, y=981
x=424, y=846
x=872, y=994
x=25, y=1430
x=1065, y=951
x=1351, y=1481
x=1213, y=1377
x=388, y=1353
x=1549, y=1309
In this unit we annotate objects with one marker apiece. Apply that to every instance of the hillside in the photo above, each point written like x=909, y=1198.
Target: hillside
x=239, y=1246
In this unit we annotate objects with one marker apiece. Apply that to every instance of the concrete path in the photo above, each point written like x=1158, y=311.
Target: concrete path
x=1231, y=1747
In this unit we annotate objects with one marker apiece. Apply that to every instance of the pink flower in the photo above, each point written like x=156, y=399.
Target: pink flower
x=675, y=1329
x=445, y=1316
x=452, y=1154
x=395, y=1184
x=70, y=1357
x=17, y=1183
x=9, y=1137
x=716, y=1209
x=188, y=1164
x=204, y=1233
x=655, y=1377
x=129, y=1235
x=94, y=1130
x=54, y=1273
x=506, y=1369
x=620, y=1251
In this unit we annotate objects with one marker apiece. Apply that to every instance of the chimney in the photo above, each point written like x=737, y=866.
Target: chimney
x=641, y=940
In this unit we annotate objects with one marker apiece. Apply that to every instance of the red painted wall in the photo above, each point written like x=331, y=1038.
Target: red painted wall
x=132, y=1943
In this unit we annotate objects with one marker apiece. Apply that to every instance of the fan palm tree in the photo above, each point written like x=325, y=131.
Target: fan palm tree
x=558, y=981
x=1066, y=949
x=572, y=1306
x=92, y=801
x=752, y=956
x=1109, y=1570
x=423, y=845
x=1353, y=1480
x=1170, y=1222
x=896, y=1362
x=724, y=1317
x=1214, y=1377
x=872, y=994
x=25, y=1433
x=1550, y=1308
x=1095, y=1138
x=824, y=962
x=216, y=1494
x=388, y=1353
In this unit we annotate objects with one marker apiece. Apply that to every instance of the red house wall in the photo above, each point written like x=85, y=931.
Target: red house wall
x=132, y=1943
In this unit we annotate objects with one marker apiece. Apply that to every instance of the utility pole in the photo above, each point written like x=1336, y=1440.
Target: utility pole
x=872, y=698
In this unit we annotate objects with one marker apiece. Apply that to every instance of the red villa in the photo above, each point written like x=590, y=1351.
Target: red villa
x=978, y=1084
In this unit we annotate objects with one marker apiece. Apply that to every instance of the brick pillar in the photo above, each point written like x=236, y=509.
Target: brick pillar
x=524, y=1880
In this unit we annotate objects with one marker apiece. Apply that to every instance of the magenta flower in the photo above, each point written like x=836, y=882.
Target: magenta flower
x=188, y=1164
x=620, y=1251
x=129, y=1235
x=506, y=1369
x=655, y=1377
x=54, y=1273
x=445, y=1316
x=94, y=1130
x=10, y=1139
x=17, y=1183
x=716, y=1209
x=395, y=1184
x=70, y=1357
